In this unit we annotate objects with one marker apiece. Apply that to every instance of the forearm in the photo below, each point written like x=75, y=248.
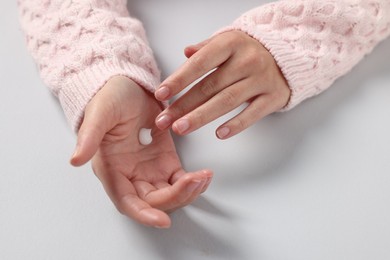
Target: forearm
x=79, y=45
x=316, y=42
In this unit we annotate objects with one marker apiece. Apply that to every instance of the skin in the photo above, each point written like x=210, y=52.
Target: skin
x=144, y=182
x=242, y=71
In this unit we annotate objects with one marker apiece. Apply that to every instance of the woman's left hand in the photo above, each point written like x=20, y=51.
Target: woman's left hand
x=145, y=182
x=242, y=70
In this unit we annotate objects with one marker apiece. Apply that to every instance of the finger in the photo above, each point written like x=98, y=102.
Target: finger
x=184, y=191
x=161, y=184
x=213, y=83
x=209, y=57
x=124, y=196
x=222, y=103
x=190, y=50
x=132, y=206
x=143, y=188
x=256, y=110
x=176, y=176
x=90, y=135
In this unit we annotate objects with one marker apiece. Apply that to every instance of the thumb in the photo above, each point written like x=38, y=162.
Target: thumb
x=192, y=49
x=90, y=135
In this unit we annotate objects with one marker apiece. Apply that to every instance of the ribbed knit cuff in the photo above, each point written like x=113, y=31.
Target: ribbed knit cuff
x=81, y=87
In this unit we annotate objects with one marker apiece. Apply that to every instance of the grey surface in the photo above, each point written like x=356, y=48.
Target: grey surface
x=312, y=183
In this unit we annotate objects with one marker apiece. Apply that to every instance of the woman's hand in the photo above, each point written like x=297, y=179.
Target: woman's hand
x=144, y=182
x=242, y=71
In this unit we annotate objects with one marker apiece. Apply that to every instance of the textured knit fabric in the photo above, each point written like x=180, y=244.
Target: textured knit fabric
x=315, y=42
x=80, y=44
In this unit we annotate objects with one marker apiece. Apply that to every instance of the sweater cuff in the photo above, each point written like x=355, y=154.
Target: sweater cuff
x=294, y=67
x=82, y=87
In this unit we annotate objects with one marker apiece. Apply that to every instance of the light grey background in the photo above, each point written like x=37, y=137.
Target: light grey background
x=312, y=183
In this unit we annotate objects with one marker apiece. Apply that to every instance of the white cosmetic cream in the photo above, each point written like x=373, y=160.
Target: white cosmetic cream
x=145, y=136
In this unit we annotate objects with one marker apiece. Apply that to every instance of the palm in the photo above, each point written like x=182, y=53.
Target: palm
x=144, y=167
x=142, y=181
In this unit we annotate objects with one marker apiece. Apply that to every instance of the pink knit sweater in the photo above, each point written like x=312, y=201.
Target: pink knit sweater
x=79, y=44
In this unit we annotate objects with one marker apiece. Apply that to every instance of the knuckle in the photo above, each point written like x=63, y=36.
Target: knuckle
x=197, y=62
x=198, y=118
x=242, y=64
x=177, y=109
x=236, y=38
x=255, y=112
x=261, y=62
x=241, y=124
x=220, y=42
x=175, y=83
x=208, y=88
x=232, y=41
x=228, y=98
x=251, y=62
x=256, y=59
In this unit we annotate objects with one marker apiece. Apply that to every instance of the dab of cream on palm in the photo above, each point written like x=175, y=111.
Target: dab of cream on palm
x=145, y=136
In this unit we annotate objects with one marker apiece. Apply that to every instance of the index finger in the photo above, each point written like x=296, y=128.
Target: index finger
x=206, y=59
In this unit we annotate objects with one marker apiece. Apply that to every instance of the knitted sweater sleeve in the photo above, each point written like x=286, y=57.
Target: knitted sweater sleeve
x=79, y=44
x=316, y=42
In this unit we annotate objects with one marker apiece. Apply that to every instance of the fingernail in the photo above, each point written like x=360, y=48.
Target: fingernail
x=182, y=125
x=194, y=185
x=223, y=132
x=163, y=121
x=162, y=93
